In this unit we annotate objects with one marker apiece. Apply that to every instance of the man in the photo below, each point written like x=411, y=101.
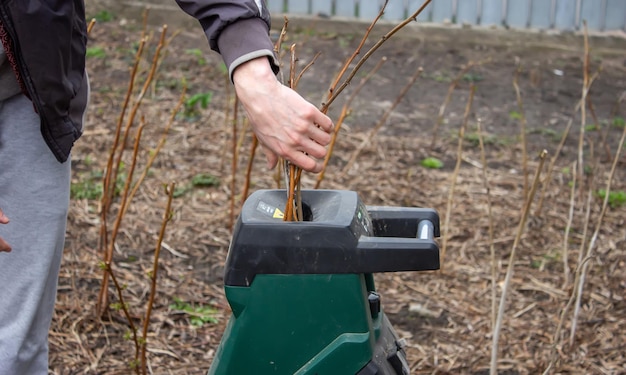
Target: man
x=43, y=96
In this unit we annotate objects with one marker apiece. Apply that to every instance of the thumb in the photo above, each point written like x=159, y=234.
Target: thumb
x=4, y=246
x=272, y=158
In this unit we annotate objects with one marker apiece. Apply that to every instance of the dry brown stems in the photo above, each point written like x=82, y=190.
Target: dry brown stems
x=131, y=185
x=511, y=265
x=457, y=167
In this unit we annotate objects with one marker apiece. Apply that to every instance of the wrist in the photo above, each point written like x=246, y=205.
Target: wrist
x=254, y=71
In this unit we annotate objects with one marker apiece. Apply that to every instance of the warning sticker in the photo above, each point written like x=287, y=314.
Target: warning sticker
x=270, y=210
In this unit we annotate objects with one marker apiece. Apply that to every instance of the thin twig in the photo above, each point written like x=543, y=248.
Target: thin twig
x=344, y=112
x=509, y=271
x=589, y=253
x=246, y=186
x=446, y=101
x=369, y=53
x=103, y=296
x=357, y=51
x=92, y=23
x=570, y=219
x=155, y=152
x=492, y=249
x=153, y=277
x=520, y=106
x=234, y=162
x=583, y=106
x=548, y=178
x=381, y=121
x=457, y=167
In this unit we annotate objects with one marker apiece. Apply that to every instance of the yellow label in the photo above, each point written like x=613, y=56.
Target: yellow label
x=278, y=214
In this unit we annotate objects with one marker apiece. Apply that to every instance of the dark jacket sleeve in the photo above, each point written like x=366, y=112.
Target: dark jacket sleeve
x=237, y=30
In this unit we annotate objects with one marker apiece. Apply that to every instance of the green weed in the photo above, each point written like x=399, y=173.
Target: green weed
x=103, y=16
x=547, y=259
x=89, y=185
x=616, y=198
x=96, y=53
x=205, y=180
x=200, y=180
x=198, y=315
x=472, y=77
x=201, y=100
x=198, y=54
x=432, y=163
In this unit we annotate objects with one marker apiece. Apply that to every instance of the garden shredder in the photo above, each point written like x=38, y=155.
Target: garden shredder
x=302, y=293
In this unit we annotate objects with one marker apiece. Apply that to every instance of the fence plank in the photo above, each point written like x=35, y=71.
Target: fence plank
x=344, y=8
x=467, y=12
x=394, y=10
x=427, y=13
x=592, y=11
x=322, y=7
x=616, y=15
x=298, y=6
x=565, y=15
x=368, y=9
x=541, y=14
x=276, y=6
x=518, y=13
x=443, y=10
x=491, y=12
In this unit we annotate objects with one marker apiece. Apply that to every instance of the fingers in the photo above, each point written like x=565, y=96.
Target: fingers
x=3, y=218
x=4, y=246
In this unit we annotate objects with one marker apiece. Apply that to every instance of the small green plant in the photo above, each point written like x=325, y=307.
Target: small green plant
x=198, y=54
x=547, y=259
x=515, y=115
x=616, y=198
x=618, y=122
x=96, y=53
x=201, y=100
x=200, y=180
x=474, y=139
x=205, y=180
x=198, y=315
x=223, y=68
x=440, y=77
x=89, y=185
x=591, y=128
x=103, y=16
x=432, y=163
x=472, y=77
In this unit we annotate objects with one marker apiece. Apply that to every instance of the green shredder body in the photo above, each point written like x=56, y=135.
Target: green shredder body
x=302, y=293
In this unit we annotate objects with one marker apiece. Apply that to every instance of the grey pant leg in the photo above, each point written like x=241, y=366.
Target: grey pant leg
x=34, y=194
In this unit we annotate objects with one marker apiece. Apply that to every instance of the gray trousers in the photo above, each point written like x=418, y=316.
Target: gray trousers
x=34, y=194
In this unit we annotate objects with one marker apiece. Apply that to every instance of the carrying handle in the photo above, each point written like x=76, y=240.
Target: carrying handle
x=425, y=230
x=403, y=240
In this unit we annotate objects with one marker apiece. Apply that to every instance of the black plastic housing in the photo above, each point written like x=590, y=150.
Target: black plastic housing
x=342, y=236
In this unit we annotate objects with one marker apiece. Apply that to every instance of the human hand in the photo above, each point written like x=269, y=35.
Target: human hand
x=285, y=123
x=4, y=246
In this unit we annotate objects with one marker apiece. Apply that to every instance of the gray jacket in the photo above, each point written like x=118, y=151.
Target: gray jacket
x=238, y=30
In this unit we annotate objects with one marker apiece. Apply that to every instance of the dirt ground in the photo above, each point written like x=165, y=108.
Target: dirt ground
x=445, y=316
